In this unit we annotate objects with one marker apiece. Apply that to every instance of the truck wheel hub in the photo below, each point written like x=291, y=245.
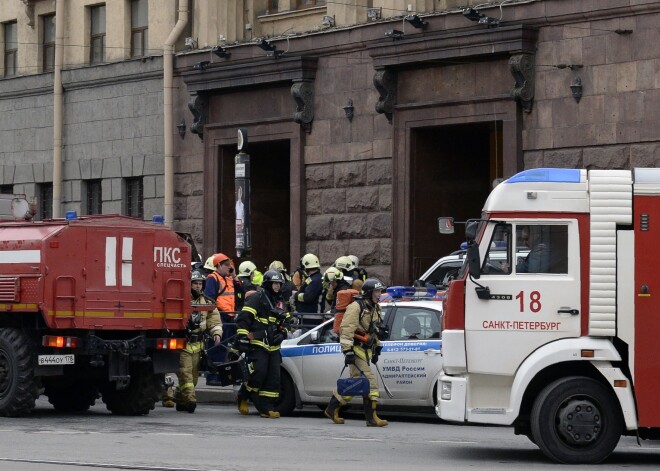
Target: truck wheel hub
x=579, y=422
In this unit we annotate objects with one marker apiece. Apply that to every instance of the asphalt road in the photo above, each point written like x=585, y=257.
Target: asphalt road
x=216, y=437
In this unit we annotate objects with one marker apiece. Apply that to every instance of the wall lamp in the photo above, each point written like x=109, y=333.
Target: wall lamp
x=221, y=52
x=473, y=15
x=394, y=34
x=328, y=21
x=348, y=110
x=203, y=65
x=374, y=14
x=271, y=50
x=190, y=43
x=181, y=127
x=576, y=89
x=416, y=21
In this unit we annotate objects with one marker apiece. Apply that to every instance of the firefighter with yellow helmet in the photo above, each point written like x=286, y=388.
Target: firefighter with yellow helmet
x=307, y=299
x=202, y=321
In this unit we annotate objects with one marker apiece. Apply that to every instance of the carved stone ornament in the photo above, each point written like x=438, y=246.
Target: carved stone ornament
x=522, y=69
x=199, y=107
x=385, y=83
x=29, y=11
x=303, y=92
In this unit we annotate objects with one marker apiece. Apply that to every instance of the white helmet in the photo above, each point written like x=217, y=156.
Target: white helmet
x=310, y=261
x=246, y=268
x=355, y=260
x=344, y=263
x=332, y=274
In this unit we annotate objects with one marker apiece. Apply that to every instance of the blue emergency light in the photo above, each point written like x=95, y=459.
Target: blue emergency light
x=547, y=175
x=411, y=292
x=71, y=215
x=158, y=219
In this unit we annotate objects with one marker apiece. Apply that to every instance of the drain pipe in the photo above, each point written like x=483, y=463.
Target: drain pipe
x=168, y=109
x=58, y=99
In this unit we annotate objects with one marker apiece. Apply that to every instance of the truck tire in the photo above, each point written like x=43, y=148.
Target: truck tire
x=18, y=386
x=287, y=400
x=576, y=420
x=76, y=397
x=139, y=397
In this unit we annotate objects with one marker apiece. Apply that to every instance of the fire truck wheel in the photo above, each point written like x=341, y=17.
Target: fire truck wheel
x=287, y=401
x=139, y=397
x=18, y=387
x=76, y=397
x=576, y=420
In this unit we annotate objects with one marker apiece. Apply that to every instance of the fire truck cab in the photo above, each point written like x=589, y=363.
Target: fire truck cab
x=562, y=344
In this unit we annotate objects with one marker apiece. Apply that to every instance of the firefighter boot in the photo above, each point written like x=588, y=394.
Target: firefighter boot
x=370, y=414
x=191, y=406
x=243, y=406
x=332, y=411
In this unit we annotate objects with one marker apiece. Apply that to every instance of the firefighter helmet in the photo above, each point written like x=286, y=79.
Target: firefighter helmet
x=344, y=263
x=332, y=274
x=310, y=261
x=246, y=268
x=270, y=277
x=355, y=260
x=218, y=258
x=197, y=276
x=370, y=285
x=276, y=265
x=209, y=263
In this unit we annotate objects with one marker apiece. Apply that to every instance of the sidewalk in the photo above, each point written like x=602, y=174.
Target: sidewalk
x=214, y=394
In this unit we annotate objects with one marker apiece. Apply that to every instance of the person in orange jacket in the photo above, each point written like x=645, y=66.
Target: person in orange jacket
x=220, y=289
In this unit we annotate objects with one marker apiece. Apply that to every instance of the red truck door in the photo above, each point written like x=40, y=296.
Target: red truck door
x=647, y=310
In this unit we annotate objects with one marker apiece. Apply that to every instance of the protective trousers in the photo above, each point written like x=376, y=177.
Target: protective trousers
x=188, y=376
x=361, y=362
x=219, y=354
x=263, y=385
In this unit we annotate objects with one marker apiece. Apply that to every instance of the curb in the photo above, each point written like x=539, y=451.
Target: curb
x=214, y=394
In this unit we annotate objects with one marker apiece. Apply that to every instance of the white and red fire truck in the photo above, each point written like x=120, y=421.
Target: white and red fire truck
x=563, y=343
x=90, y=306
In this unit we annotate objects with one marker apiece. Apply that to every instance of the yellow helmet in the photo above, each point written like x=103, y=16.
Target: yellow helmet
x=332, y=274
x=276, y=265
x=310, y=261
x=246, y=268
x=344, y=263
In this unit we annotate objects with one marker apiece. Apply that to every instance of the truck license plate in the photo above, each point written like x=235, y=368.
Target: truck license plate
x=56, y=360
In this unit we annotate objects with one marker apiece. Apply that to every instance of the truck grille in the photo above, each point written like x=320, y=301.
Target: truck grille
x=9, y=289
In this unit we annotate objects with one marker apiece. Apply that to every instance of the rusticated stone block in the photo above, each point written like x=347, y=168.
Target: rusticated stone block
x=533, y=159
x=366, y=250
x=615, y=157
x=386, y=251
x=319, y=176
x=382, y=272
x=385, y=198
x=564, y=158
x=349, y=226
x=350, y=174
x=195, y=205
x=313, y=201
x=320, y=227
x=361, y=199
x=645, y=155
x=330, y=250
x=379, y=225
x=379, y=171
x=333, y=200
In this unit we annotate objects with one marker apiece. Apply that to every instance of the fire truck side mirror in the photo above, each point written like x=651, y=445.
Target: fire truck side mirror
x=471, y=230
x=474, y=264
x=445, y=225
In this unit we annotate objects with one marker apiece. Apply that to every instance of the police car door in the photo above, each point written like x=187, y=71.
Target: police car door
x=527, y=306
x=410, y=359
x=322, y=362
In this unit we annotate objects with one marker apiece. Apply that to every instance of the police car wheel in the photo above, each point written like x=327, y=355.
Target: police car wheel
x=287, y=401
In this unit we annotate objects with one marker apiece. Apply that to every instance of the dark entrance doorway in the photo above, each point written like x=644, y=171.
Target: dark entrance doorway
x=269, y=206
x=453, y=168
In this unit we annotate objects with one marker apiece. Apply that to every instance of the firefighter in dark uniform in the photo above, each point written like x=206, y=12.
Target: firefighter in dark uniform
x=307, y=299
x=261, y=328
x=360, y=345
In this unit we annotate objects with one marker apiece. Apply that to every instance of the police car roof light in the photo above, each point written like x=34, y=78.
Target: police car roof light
x=411, y=292
x=71, y=215
x=546, y=175
x=463, y=246
x=158, y=219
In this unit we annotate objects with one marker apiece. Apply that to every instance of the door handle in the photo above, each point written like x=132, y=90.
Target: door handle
x=431, y=350
x=572, y=312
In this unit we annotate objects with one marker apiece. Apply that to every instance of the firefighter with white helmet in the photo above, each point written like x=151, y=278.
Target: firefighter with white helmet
x=201, y=322
x=333, y=282
x=357, y=272
x=361, y=346
x=246, y=273
x=307, y=299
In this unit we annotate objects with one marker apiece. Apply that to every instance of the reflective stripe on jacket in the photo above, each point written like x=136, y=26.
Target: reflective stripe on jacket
x=225, y=300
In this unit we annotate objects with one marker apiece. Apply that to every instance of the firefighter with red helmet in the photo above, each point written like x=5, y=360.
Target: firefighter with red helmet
x=360, y=345
x=200, y=323
x=220, y=288
x=262, y=326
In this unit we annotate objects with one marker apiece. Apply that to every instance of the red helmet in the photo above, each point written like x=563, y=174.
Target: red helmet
x=218, y=258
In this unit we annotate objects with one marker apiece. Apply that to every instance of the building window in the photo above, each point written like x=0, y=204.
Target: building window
x=45, y=191
x=48, y=23
x=300, y=4
x=134, y=199
x=139, y=26
x=11, y=48
x=97, y=39
x=273, y=6
x=6, y=189
x=94, y=197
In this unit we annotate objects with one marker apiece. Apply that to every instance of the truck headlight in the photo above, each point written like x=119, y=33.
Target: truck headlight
x=445, y=391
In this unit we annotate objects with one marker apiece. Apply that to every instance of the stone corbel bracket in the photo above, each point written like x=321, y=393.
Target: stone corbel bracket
x=199, y=107
x=522, y=69
x=29, y=11
x=385, y=83
x=302, y=92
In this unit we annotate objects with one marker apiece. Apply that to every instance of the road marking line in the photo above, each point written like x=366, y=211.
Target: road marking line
x=174, y=434
x=356, y=439
x=459, y=442
x=63, y=432
x=101, y=465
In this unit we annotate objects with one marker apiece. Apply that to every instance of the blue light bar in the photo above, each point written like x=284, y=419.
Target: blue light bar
x=547, y=175
x=411, y=292
x=158, y=219
x=463, y=246
x=71, y=215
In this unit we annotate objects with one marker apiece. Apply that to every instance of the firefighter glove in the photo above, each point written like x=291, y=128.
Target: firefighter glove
x=242, y=344
x=376, y=354
x=349, y=358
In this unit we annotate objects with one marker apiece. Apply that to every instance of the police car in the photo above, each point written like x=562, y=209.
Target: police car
x=410, y=362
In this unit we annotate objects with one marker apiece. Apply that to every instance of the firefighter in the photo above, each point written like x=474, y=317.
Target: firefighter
x=357, y=273
x=307, y=299
x=220, y=288
x=246, y=272
x=288, y=287
x=360, y=345
x=261, y=328
x=200, y=323
x=333, y=282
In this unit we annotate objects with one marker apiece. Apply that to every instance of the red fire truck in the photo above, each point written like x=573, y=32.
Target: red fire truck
x=90, y=307
x=558, y=337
